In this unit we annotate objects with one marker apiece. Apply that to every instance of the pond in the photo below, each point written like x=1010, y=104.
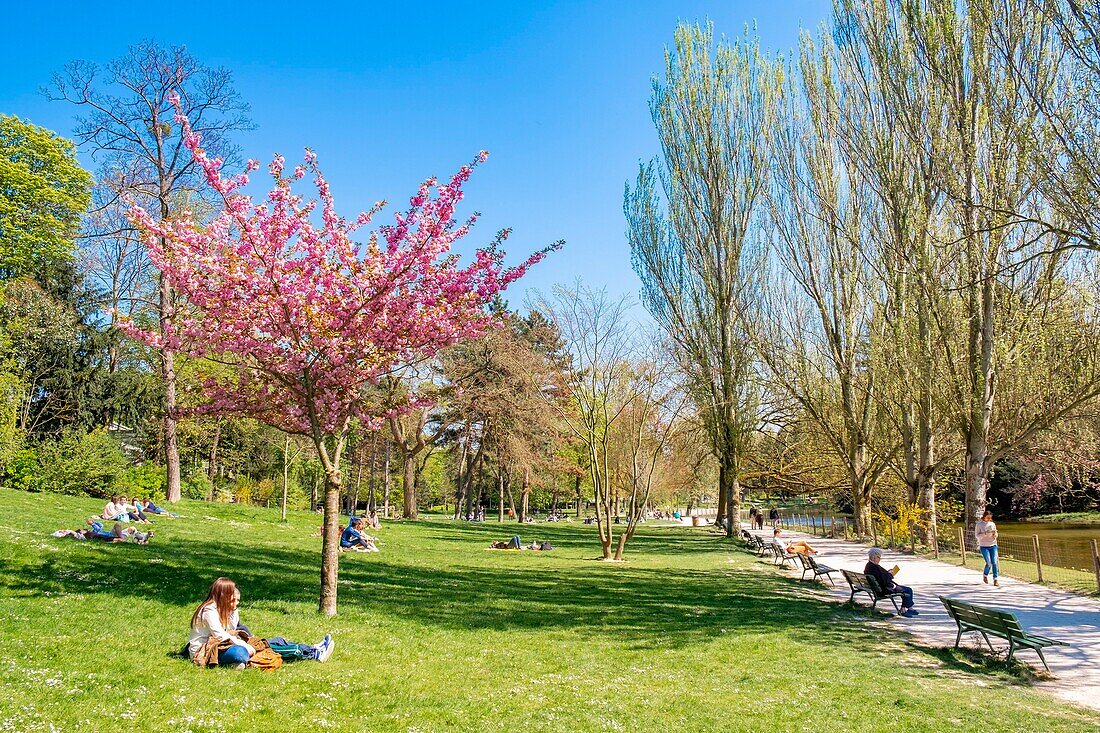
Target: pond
x=1065, y=544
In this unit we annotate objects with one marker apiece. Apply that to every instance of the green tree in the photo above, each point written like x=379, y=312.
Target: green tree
x=43, y=192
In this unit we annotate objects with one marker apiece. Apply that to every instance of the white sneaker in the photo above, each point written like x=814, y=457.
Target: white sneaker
x=242, y=665
x=326, y=649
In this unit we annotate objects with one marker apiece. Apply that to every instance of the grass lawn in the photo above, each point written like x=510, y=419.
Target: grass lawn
x=1083, y=518
x=437, y=633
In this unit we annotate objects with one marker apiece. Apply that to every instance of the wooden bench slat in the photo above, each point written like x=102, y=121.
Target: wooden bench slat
x=1002, y=624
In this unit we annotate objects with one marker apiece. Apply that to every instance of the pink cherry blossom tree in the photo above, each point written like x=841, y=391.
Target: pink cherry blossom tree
x=309, y=320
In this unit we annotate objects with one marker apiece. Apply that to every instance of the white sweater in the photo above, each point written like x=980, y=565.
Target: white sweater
x=210, y=624
x=985, y=533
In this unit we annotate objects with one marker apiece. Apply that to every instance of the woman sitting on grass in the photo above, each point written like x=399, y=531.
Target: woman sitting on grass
x=217, y=636
x=133, y=509
x=115, y=510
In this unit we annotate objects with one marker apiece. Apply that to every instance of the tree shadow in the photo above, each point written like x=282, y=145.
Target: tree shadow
x=643, y=606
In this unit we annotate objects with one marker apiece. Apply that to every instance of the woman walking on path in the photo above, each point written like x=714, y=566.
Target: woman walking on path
x=985, y=532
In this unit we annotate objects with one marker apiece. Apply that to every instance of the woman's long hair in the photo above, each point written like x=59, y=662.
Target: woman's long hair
x=221, y=593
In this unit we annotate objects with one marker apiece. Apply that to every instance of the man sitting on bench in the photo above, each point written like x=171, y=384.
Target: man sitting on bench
x=886, y=581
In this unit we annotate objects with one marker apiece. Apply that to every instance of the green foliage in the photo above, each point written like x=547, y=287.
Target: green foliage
x=43, y=192
x=145, y=481
x=949, y=510
x=21, y=469
x=197, y=485
x=250, y=491
x=81, y=464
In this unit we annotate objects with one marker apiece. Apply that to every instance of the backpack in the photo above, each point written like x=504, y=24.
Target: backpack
x=268, y=660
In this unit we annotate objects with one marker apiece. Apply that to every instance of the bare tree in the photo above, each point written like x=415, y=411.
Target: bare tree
x=128, y=124
x=697, y=251
x=597, y=332
x=824, y=297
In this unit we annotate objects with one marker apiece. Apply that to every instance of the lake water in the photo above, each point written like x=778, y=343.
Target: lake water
x=1064, y=544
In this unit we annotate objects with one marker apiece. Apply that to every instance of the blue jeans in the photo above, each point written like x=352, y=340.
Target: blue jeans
x=233, y=656
x=906, y=595
x=990, y=555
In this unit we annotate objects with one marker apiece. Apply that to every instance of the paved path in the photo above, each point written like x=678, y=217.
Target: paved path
x=1047, y=611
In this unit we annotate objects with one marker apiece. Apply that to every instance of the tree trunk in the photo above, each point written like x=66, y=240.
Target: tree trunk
x=358, y=484
x=500, y=495
x=168, y=371
x=620, y=546
x=286, y=476
x=408, y=485
x=524, y=494
x=577, y=492
x=386, y=482
x=212, y=467
x=373, y=462
x=730, y=475
x=460, y=477
x=330, y=546
x=511, y=499
x=981, y=405
x=723, y=490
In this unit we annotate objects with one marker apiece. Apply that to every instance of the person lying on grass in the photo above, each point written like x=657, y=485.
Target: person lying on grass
x=96, y=531
x=799, y=546
x=149, y=507
x=885, y=580
x=217, y=637
x=513, y=544
x=352, y=538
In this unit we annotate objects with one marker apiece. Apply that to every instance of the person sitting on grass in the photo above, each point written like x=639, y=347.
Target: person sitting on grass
x=885, y=579
x=801, y=547
x=133, y=509
x=217, y=637
x=352, y=538
x=115, y=510
x=373, y=521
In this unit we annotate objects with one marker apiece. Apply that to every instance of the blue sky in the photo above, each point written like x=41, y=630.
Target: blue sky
x=389, y=93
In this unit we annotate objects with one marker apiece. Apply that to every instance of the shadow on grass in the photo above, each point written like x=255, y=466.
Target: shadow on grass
x=981, y=662
x=642, y=606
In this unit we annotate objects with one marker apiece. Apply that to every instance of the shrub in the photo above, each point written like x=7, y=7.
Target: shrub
x=21, y=469
x=145, y=481
x=197, y=485
x=80, y=463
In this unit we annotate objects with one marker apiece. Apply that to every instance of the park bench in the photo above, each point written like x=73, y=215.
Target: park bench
x=810, y=565
x=754, y=543
x=861, y=583
x=782, y=557
x=1001, y=624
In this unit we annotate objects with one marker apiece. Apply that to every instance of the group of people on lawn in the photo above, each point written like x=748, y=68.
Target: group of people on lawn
x=120, y=510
